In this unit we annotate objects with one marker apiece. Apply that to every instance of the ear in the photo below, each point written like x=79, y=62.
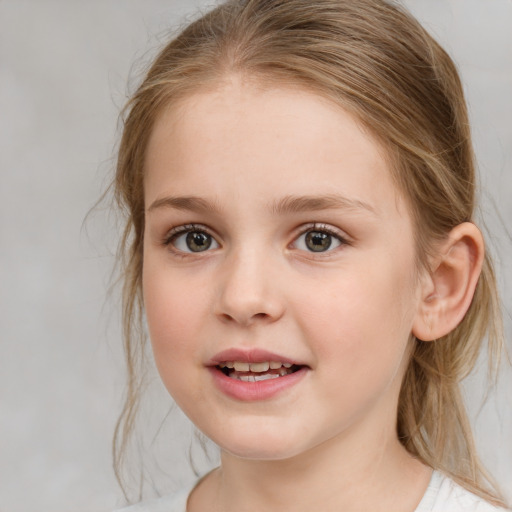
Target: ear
x=447, y=292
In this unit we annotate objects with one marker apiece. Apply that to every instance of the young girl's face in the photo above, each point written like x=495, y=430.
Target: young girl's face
x=279, y=271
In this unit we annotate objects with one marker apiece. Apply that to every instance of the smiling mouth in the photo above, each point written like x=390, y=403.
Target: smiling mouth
x=256, y=372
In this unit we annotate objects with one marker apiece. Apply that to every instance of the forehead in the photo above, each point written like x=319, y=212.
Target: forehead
x=242, y=135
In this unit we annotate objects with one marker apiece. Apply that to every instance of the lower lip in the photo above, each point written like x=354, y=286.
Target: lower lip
x=255, y=391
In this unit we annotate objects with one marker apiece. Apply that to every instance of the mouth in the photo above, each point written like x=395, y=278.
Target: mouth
x=257, y=372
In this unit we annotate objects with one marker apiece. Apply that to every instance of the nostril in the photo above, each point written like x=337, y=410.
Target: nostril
x=240, y=319
x=227, y=317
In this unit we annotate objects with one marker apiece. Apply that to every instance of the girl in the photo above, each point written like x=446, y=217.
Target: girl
x=299, y=183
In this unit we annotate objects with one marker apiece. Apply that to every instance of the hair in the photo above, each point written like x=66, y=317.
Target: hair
x=375, y=60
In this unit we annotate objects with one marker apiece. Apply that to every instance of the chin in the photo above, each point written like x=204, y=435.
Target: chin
x=258, y=444
x=258, y=453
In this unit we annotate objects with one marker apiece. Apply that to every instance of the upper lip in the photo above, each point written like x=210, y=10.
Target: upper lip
x=254, y=355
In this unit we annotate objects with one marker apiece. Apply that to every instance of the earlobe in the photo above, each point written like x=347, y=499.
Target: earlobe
x=449, y=289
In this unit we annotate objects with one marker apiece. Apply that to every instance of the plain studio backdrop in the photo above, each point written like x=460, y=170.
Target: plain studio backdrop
x=64, y=70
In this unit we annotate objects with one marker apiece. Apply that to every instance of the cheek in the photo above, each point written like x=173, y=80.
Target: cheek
x=173, y=317
x=360, y=335
x=362, y=318
x=166, y=315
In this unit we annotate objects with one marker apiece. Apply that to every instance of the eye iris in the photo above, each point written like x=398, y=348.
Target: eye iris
x=197, y=241
x=317, y=241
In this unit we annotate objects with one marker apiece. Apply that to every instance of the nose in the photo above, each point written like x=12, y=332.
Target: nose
x=248, y=291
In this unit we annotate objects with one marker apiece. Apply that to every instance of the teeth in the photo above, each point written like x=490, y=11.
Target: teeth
x=256, y=378
x=264, y=366
x=267, y=376
x=259, y=367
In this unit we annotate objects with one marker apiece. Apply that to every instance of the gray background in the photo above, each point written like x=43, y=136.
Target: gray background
x=64, y=66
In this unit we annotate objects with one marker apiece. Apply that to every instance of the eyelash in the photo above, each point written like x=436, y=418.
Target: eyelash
x=185, y=229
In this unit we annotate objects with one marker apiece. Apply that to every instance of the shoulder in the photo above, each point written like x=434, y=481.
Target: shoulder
x=172, y=503
x=443, y=495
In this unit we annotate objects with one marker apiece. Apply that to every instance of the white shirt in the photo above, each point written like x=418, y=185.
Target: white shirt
x=442, y=495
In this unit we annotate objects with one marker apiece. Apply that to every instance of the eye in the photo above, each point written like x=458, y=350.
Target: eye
x=318, y=240
x=191, y=239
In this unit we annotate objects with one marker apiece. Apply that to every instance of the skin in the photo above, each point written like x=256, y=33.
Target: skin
x=347, y=313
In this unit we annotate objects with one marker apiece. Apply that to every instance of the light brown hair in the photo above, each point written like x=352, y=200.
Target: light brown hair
x=377, y=62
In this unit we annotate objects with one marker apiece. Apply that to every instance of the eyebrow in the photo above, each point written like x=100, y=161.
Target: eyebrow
x=188, y=203
x=296, y=204
x=285, y=205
